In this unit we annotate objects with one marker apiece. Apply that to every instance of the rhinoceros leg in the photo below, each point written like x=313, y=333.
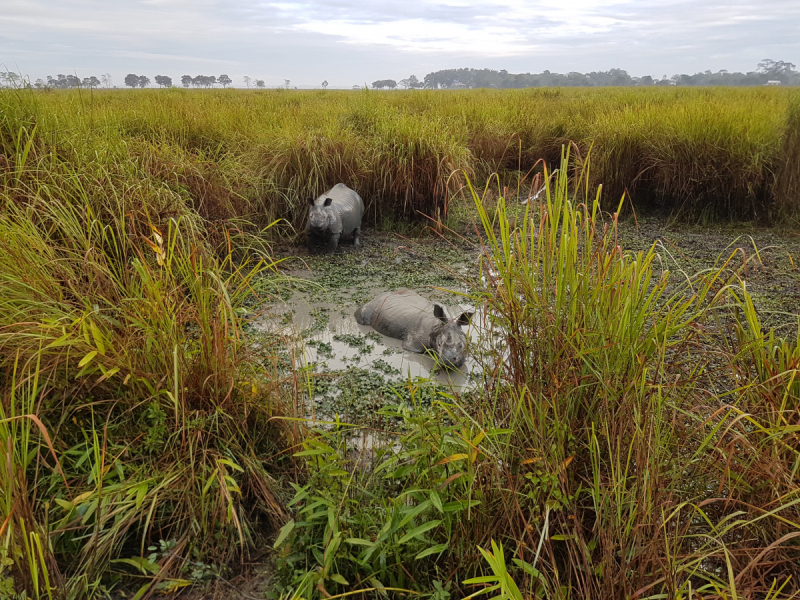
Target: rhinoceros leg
x=312, y=241
x=332, y=243
x=357, y=237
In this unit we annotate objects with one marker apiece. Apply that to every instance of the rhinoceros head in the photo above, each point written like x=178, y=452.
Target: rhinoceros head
x=451, y=342
x=320, y=215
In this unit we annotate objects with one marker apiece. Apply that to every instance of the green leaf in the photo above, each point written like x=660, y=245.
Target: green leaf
x=339, y=579
x=359, y=542
x=98, y=337
x=417, y=531
x=141, y=492
x=437, y=549
x=411, y=512
x=484, y=579
x=145, y=565
x=527, y=567
x=284, y=533
x=312, y=452
x=457, y=505
x=87, y=359
x=231, y=464
x=67, y=506
x=62, y=341
x=437, y=501
x=142, y=591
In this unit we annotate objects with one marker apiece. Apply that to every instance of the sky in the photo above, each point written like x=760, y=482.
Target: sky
x=355, y=42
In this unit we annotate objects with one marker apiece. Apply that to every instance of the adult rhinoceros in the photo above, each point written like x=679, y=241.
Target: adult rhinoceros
x=421, y=324
x=336, y=213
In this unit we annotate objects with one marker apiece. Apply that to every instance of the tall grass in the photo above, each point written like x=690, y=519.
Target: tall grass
x=132, y=414
x=635, y=437
x=229, y=153
x=639, y=439
x=788, y=178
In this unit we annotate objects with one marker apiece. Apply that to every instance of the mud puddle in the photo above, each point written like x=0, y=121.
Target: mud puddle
x=329, y=340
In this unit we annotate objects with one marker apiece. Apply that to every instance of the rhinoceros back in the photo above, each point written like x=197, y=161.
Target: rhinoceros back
x=348, y=207
x=396, y=313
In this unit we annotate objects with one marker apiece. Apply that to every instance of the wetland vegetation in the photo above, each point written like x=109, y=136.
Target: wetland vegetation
x=184, y=394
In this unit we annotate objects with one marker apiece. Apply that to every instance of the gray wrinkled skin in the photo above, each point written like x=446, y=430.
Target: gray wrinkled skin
x=422, y=325
x=334, y=214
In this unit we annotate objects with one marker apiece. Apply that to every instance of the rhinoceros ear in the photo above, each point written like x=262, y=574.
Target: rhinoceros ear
x=328, y=201
x=465, y=318
x=439, y=313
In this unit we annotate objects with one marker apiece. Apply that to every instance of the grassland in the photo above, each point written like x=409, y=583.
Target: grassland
x=729, y=153
x=636, y=434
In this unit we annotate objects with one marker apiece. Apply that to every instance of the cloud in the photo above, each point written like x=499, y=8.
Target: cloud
x=351, y=40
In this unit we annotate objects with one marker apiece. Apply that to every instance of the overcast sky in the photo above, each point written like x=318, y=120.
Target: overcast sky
x=349, y=42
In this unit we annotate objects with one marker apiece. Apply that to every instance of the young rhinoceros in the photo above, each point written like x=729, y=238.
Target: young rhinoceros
x=334, y=214
x=422, y=325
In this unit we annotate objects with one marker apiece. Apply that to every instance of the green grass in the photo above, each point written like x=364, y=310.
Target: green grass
x=133, y=412
x=636, y=434
x=726, y=153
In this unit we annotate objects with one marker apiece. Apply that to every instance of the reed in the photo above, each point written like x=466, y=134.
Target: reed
x=640, y=427
x=721, y=153
x=635, y=436
x=132, y=410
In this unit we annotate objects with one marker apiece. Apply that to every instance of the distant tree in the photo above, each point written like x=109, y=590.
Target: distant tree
x=356, y=87
x=260, y=83
x=10, y=79
x=203, y=81
x=163, y=81
x=90, y=82
x=775, y=67
x=143, y=81
x=412, y=83
x=186, y=80
x=106, y=79
x=224, y=80
x=287, y=82
x=247, y=81
x=325, y=85
x=63, y=82
x=384, y=83
x=40, y=84
x=132, y=80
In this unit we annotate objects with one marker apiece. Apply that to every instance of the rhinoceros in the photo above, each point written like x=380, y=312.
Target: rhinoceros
x=422, y=325
x=334, y=214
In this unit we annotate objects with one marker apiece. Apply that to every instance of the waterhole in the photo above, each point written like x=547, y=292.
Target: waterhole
x=329, y=340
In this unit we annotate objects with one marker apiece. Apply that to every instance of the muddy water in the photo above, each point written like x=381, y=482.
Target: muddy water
x=329, y=339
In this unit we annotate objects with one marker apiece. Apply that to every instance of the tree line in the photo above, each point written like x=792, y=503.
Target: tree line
x=132, y=80
x=768, y=70
x=59, y=82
